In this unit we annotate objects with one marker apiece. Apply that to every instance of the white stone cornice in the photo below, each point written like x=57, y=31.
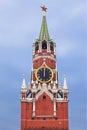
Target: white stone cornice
x=43, y=56
x=54, y=90
x=61, y=100
x=26, y=99
x=65, y=90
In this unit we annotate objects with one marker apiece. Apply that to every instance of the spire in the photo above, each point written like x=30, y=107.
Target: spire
x=23, y=83
x=65, y=84
x=44, y=34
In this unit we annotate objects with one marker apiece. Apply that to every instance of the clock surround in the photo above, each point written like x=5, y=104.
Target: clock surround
x=44, y=74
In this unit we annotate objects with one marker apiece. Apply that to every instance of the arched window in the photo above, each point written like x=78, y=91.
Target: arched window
x=36, y=47
x=51, y=46
x=29, y=94
x=60, y=94
x=44, y=45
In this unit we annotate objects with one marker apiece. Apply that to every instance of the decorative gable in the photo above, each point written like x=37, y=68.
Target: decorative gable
x=44, y=89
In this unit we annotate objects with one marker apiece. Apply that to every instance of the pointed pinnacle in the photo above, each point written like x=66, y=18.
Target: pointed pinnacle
x=65, y=84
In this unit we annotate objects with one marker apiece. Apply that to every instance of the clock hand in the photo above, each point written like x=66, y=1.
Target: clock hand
x=44, y=72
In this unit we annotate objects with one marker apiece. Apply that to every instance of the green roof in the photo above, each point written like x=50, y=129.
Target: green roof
x=44, y=34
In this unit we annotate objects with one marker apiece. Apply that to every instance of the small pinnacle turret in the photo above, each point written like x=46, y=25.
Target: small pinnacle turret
x=23, y=83
x=65, y=84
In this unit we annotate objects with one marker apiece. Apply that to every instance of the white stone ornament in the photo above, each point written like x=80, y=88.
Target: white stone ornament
x=49, y=86
x=34, y=86
x=65, y=84
x=54, y=86
x=36, y=81
x=39, y=86
x=23, y=84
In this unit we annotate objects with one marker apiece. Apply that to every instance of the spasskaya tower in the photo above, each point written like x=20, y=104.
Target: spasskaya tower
x=44, y=102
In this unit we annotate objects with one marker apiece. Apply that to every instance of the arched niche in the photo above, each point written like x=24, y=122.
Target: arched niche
x=60, y=94
x=44, y=44
x=36, y=46
x=51, y=46
x=29, y=94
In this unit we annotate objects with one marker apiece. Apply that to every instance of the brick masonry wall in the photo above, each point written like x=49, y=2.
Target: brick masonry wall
x=44, y=105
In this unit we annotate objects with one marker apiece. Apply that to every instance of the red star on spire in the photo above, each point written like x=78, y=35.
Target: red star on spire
x=44, y=8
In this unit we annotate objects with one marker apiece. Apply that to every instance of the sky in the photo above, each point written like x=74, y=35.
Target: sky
x=20, y=22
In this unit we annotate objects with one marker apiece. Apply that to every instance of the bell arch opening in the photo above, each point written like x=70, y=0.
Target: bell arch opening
x=36, y=47
x=44, y=44
x=51, y=46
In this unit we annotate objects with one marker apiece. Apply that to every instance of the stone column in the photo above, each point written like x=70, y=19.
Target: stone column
x=33, y=49
x=48, y=47
x=33, y=107
x=54, y=107
x=40, y=47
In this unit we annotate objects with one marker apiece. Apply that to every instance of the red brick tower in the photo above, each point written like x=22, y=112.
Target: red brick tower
x=44, y=103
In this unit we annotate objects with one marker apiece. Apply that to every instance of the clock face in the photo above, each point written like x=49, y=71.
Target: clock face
x=44, y=74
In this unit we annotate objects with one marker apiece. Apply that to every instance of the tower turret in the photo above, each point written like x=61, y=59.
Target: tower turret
x=65, y=83
x=23, y=88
